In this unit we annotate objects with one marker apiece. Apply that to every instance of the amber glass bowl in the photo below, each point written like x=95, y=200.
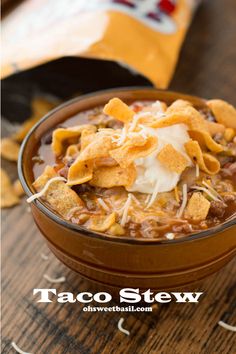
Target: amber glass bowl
x=117, y=262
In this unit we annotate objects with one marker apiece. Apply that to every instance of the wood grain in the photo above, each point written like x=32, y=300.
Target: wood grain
x=206, y=68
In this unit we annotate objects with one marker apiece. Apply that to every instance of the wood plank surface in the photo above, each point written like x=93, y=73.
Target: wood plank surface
x=206, y=68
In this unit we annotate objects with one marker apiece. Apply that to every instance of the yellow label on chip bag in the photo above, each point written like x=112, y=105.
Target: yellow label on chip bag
x=144, y=35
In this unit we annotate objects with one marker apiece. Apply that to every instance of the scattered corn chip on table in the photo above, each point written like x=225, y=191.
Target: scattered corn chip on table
x=207, y=69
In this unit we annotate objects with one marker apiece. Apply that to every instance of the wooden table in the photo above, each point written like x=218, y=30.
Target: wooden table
x=206, y=68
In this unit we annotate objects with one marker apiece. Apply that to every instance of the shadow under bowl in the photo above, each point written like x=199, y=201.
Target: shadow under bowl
x=117, y=262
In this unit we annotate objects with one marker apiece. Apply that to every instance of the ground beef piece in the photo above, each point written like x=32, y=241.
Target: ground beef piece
x=91, y=204
x=114, y=124
x=229, y=169
x=203, y=224
x=217, y=208
x=47, y=138
x=205, y=111
x=218, y=138
x=133, y=229
x=229, y=198
x=183, y=228
x=225, y=161
x=83, y=188
x=63, y=172
x=232, y=149
x=69, y=162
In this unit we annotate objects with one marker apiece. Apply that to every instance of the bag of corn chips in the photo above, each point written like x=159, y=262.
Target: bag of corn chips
x=143, y=35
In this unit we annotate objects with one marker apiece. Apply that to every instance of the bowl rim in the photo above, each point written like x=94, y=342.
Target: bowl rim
x=86, y=232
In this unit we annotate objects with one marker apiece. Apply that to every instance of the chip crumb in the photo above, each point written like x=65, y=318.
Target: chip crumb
x=38, y=159
x=8, y=195
x=114, y=176
x=40, y=106
x=197, y=208
x=229, y=134
x=224, y=112
x=9, y=149
x=118, y=110
x=101, y=223
x=18, y=189
x=172, y=159
x=155, y=306
x=116, y=230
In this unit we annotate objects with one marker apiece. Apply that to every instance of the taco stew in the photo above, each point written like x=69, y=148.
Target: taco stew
x=146, y=170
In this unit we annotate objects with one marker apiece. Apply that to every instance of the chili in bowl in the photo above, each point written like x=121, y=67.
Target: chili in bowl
x=135, y=187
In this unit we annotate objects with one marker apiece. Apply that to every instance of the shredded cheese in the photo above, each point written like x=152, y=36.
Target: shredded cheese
x=154, y=195
x=54, y=280
x=212, y=189
x=227, y=326
x=123, y=136
x=126, y=210
x=128, y=131
x=147, y=199
x=135, y=199
x=45, y=188
x=143, y=134
x=17, y=349
x=136, y=119
x=197, y=170
x=44, y=256
x=103, y=204
x=136, y=134
x=203, y=189
x=120, y=323
x=177, y=194
x=116, y=136
x=184, y=202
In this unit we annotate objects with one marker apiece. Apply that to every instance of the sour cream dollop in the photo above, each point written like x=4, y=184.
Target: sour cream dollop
x=152, y=176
